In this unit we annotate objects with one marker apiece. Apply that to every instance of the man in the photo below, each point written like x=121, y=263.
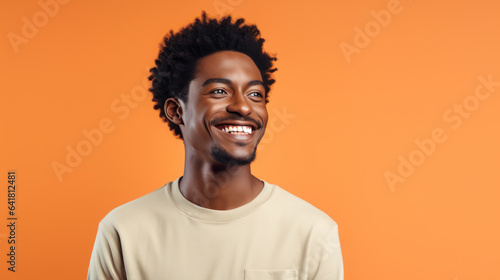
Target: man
x=216, y=221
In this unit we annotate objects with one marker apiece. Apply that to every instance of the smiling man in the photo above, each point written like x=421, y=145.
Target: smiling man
x=216, y=221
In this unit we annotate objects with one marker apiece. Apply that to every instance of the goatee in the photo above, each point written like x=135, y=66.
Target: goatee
x=224, y=157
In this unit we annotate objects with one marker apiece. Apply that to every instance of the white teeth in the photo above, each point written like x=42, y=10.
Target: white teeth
x=237, y=129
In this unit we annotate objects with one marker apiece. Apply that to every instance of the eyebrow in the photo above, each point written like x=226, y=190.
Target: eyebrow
x=228, y=82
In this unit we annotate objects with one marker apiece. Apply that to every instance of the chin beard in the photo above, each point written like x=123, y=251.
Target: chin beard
x=222, y=156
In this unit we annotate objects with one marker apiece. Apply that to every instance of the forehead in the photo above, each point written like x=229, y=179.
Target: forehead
x=227, y=64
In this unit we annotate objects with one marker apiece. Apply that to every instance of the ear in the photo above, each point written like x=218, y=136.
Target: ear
x=173, y=110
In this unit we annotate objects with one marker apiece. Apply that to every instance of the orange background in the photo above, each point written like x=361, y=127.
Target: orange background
x=348, y=124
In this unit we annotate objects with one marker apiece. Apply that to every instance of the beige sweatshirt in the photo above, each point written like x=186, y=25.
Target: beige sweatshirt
x=162, y=235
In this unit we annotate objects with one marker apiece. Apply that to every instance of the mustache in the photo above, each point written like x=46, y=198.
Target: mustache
x=245, y=118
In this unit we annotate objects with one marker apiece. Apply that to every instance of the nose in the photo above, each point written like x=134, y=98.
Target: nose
x=239, y=104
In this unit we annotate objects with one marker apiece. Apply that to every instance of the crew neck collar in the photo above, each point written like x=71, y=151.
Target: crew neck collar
x=212, y=215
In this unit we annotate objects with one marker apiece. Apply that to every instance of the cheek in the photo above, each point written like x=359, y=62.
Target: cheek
x=263, y=114
x=194, y=126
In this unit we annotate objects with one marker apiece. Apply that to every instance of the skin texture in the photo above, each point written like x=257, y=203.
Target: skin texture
x=210, y=180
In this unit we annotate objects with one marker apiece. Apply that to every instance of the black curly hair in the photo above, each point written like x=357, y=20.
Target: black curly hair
x=180, y=52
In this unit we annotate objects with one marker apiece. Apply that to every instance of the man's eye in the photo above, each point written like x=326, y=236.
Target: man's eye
x=218, y=91
x=255, y=94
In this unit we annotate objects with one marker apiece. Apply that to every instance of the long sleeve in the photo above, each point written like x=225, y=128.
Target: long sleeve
x=106, y=261
x=326, y=261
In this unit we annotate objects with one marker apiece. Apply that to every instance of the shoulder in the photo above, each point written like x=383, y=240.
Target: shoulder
x=143, y=208
x=318, y=227
x=293, y=207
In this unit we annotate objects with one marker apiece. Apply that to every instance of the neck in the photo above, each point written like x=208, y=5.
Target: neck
x=217, y=186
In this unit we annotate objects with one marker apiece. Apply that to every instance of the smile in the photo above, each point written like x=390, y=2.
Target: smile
x=236, y=129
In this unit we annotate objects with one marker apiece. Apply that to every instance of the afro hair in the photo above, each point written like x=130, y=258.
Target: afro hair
x=180, y=52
